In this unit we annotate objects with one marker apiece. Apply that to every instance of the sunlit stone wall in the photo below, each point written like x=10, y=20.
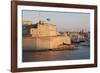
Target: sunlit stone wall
x=44, y=29
x=45, y=36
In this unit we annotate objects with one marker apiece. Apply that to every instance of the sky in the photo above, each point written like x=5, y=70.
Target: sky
x=65, y=21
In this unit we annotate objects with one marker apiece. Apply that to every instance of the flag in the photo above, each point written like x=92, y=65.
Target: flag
x=48, y=19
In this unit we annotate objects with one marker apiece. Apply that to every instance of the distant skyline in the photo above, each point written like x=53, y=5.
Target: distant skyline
x=65, y=21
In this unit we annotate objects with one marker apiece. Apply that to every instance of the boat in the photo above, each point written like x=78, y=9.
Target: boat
x=86, y=43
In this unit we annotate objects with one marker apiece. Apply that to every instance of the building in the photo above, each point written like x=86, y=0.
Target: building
x=27, y=22
x=43, y=29
x=44, y=35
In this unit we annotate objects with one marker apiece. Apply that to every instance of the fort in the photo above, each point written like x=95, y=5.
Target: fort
x=43, y=35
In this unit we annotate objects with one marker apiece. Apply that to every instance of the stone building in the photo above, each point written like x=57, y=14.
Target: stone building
x=44, y=35
x=27, y=22
x=43, y=29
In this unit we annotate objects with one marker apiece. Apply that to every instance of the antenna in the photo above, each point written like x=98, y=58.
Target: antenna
x=39, y=16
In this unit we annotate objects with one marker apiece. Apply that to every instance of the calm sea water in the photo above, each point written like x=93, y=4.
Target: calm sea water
x=82, y=52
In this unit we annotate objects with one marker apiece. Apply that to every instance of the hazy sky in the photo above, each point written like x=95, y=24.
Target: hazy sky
x=65, y=21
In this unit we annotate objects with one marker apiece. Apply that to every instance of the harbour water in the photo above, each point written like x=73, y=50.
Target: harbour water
x=81, y=52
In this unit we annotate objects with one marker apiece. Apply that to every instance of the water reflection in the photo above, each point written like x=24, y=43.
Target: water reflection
x=82, y=52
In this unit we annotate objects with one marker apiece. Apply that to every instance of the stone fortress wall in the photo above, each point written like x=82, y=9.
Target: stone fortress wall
x=45, y=36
